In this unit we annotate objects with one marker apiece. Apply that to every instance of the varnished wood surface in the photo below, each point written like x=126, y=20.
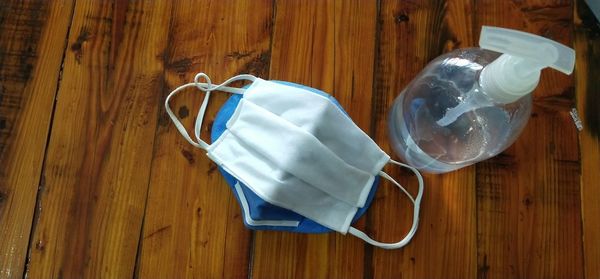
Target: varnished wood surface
x=95, y=181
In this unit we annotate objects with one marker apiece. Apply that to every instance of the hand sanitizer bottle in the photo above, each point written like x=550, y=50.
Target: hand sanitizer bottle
x=471, y=104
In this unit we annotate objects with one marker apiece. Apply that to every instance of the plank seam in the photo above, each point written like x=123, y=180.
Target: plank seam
x=368, y=249
x=476, y=178
x=251, y=247
x=576, y=6
x=41, y=181
x=163, y=87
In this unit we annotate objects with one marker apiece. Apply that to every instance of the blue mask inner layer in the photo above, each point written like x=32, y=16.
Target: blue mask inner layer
x=263, y=215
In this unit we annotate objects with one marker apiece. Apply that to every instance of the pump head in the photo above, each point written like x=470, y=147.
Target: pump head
x=516, y=72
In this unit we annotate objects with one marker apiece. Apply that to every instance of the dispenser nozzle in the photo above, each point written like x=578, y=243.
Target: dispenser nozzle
x=516, y=72
x=539, y=50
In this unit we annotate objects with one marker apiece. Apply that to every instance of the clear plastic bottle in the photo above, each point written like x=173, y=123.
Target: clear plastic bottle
x=471, y=104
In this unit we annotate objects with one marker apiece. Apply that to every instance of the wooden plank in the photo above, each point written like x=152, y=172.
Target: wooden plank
x=355, y=27
x=98, y=161
x=528, y=199
x=33, y=42
x=587, y=48
x=315, y=43
x=302, y=52
x=412, y=34
x=193, y=225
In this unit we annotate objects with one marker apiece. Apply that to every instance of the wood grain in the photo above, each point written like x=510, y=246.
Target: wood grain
x=32, y=45
x=121, y=194
x=99, y=155
x=193, y=226
x=587, y=47
x=412, y=34
x=528, y=199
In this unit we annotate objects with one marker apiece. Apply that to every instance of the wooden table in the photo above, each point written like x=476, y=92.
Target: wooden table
x=95, y=181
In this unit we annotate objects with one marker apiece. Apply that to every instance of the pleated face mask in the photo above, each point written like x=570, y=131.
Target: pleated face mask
x=294, y=159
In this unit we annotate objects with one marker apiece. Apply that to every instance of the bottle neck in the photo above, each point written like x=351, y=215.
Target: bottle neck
x=509, y=78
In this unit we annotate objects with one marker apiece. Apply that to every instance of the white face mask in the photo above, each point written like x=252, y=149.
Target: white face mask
x=297, y=150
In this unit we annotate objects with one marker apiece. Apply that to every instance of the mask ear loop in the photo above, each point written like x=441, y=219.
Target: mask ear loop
x=206, y=87
x=417, y=206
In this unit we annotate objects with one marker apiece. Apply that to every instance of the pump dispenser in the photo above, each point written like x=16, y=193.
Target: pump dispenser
x=471, y=104
x=517, y=71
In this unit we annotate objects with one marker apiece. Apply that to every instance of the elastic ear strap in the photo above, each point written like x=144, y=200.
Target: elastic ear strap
x=207, y=87
x=417, y=207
